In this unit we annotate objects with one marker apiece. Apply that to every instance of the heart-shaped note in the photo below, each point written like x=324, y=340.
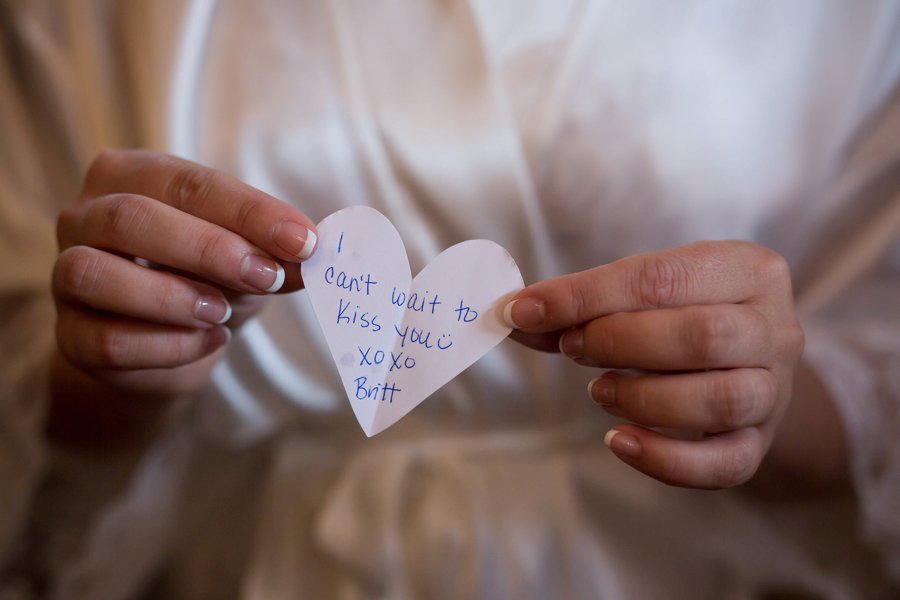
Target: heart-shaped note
x=396, y=340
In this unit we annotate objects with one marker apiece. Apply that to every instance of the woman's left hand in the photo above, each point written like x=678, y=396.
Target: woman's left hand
x=702, y=342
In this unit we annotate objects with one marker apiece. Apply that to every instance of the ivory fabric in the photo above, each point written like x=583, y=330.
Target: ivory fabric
x=572, y=133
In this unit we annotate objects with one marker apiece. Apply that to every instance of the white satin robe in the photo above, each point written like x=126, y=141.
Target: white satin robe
x=571, y=132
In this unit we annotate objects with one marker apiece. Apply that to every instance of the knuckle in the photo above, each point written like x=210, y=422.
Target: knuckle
x=112, y=349
x=568, y=303
x=121, y=217
x=184, y=349
x=208, y=250
x=662, y=280
x=190, y=185
x=673, y=471
x=772, y=266
x=601, y=342
x=795, y=338
x=173, y=299
x=766, y=388
x=247, y=213
x=734, y=402
x=78, y=271
x=579, y=302
x=636, y=398
x=711, y=336
x=735, y=465
x=167, y=299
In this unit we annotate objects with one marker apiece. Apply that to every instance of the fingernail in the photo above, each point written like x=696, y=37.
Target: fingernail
x=295, y=239
x=262, y=273
x=622, y=444
x=524, y=313
x=217, y=337
x=572, y=344
x=602, y=390
x=212, y=309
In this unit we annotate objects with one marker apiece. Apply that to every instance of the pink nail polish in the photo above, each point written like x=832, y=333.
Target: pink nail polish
x=602, y=390
x=623, y=444
x=524, y=313
x=212, y=309
x=295, y=239
x=262, y=273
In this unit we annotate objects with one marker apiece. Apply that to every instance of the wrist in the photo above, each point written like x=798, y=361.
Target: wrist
x=89, y=414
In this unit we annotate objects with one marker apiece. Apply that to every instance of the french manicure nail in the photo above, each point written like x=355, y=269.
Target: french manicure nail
x=212, y=309
x=262, y=273
x=295, y=239
x=623, y=444
x=602, y=390
x=524, y=313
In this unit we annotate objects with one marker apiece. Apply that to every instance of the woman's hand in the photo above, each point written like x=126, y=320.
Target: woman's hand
x=702, y=341
x=159, y=259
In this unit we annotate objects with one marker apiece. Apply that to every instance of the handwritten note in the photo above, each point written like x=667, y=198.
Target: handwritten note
x=395, y=340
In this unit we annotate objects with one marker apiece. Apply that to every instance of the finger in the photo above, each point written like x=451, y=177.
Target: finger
x=91, y=340
x=110, y=283
x=717, y=461
x=692, y=337
x=545, y=342
x=711, y=402
x=270, y=224
x=701, y=273
x=140, y=226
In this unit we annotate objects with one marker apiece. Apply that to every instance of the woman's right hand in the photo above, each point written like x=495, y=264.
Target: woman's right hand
x=160, y=259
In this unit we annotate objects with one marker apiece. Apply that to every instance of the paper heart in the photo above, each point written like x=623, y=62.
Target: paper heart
x=395, y=340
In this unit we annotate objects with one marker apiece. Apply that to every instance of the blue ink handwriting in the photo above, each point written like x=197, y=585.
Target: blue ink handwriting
x=364, y=320
x=387, y=390
x=350, y=283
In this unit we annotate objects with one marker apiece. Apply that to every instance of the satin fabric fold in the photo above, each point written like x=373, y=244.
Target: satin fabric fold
x=572, y=133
